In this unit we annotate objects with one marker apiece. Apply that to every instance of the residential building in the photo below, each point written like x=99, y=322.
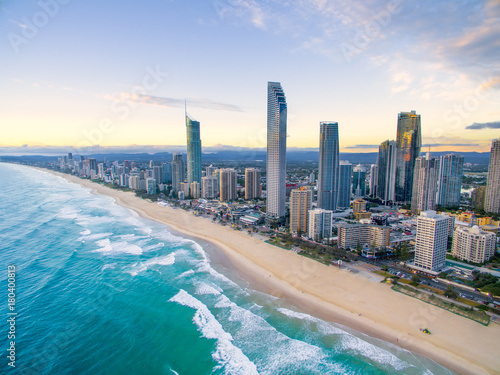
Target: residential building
x=425, y=184
x=193, y=150
x=386, y=171
x=195, y=190
x=352, y=236
x=477, y=197
x=209, y=187
x=431, y=241
x=408, y=144
x=359, y=181
x=473, y=244
x=320, y=224
x=228, y=185
x=151, y=185
x=178, y=171
x=344, y=188
x=492, y=197
x=449, y=183
x=253, y=189
x=276, y=153
x=300, y=204
x=328, y=174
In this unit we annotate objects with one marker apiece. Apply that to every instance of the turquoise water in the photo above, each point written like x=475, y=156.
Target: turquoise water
x=102, y=291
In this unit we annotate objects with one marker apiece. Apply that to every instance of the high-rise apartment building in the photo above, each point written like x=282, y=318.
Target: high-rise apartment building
x=166, y=173
x=408, y=144
x=478, y=196
x=473, y=244
x=352, y=236
x=373, y=180
x=228, y=185
x=253, y=189
x=492, y=198
x=178, y=171
x=449, y=184
x=195, y=190
x=328, y=174
x=344, y=188
x=386, y=177
x=431, y=241
x=359, y=181
x=193, y=150
x=320, y=224
x=276, y=153
x=425, y=184
x=300, y=204
x=209, y=187
x=151, y=185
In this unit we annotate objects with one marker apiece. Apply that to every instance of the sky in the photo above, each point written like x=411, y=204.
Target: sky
x=100, y=75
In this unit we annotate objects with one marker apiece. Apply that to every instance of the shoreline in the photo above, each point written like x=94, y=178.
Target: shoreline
x=329, y=293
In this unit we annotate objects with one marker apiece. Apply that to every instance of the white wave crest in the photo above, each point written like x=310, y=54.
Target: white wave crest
x=107, y=247
x=230, y=358
x=203, y=288
x=165, y=260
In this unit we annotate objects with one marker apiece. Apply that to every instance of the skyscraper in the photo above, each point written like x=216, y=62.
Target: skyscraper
x=344, y=181
x=328, y=174
x=252, y=183
x=492, y=198
x=386, y=178
x=276, y=152
x=300, y=204
x=228, y=185
x=451, y=169
x=359, y=181
x=425, y=184
x=373, y=180
x=431, y=241
x=408, y=143
x=477, y=198
x=193, y=150
x=177, y=171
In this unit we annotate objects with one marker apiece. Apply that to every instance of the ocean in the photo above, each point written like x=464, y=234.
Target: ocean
x=100, y=290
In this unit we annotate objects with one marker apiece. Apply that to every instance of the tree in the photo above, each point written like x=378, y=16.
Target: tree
x=416, y=277
x=450, y=292
x=358, y=248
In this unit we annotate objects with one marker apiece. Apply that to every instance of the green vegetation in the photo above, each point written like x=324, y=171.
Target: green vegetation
x=486, y=282
x=470, y=313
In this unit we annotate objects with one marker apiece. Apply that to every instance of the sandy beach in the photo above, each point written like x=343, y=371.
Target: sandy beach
x=459, y=344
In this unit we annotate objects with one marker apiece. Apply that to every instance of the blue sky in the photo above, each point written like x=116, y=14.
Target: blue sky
x=115, y=73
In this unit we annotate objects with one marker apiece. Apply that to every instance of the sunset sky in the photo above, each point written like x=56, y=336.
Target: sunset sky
x=116, y=73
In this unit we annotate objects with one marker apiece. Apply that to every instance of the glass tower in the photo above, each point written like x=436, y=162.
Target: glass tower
x=193, y=151
x=408, y=143
x=359, y=181
x=344, y=192
x=328, y=174
x=276, y=152
x=451, y=168
x=386, y=178
x=492, y=199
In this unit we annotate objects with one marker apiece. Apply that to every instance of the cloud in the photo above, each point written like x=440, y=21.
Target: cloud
x=173, y=102
x=363, y=146
x=484, y=125
x=449, y=144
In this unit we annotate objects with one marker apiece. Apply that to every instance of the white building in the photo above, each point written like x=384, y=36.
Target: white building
x=209, y=187
x=320, y=224
x=473, y=244
x=431, y=241
x=195, y=190
x=228, y=185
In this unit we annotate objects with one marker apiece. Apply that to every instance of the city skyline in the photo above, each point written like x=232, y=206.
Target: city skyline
x=104, y=83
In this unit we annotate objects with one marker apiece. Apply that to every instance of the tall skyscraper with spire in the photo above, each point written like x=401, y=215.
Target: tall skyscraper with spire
x=492, y=198
x=408, y=144
x=386, y=177
x=276, y=152
x=328, y=174
x=193, y=150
